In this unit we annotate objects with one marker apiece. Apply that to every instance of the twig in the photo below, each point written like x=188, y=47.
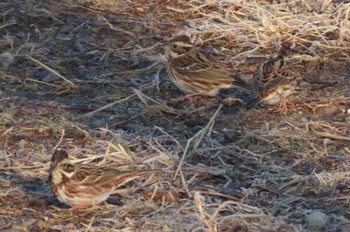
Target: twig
x=70, y=84
x=59, y=142
x=106, y=106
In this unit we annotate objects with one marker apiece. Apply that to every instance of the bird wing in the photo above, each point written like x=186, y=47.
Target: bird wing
x=198, y=65
x=251, y=102
x=88, y=176
x=271, y=74
x=195, y=60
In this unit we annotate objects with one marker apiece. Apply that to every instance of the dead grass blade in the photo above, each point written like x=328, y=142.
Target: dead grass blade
x=107, y=106
x=199, y=201
x=68, y=82
x=155, y=105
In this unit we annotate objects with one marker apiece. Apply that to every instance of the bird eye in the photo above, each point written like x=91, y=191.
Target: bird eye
x=68, y=167
x=174, y=46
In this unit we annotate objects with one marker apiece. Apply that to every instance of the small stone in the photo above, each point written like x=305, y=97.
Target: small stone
x=79, y=47
x=6, y=59
x=345, y=228
x=42, y=74
x=316, y=221
x=99, y=122
x=347, y=119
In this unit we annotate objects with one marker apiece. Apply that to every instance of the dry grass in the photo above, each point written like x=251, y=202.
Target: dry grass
x=89, y=78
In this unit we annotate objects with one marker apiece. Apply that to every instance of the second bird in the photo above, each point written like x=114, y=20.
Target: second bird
x=193, y=71
x=273, y=81
x=80, y=185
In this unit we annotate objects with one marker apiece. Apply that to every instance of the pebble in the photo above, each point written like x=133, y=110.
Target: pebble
x=79, y=47
x=316, y=221
x=6, y=59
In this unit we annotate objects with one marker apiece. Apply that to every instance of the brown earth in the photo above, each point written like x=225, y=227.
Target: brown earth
x=257, y=170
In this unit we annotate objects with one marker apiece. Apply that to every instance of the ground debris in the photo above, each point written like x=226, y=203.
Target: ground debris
x=89, y=77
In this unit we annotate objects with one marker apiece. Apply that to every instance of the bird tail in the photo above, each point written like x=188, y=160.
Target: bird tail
x=126, y=177
x=242, y=82
x=251, y=102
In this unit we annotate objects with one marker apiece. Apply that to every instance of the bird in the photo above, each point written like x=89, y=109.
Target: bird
x=273, y=81
x=195, y=72
x=81, y=186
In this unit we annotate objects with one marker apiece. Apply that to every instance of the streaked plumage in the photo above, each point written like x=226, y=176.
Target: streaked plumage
x=193, y=71
x=273, y=81
x=80, y=185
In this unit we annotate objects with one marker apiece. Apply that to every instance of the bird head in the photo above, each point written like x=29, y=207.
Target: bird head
x=284, y=51
x=178, y=46
x=60, y=164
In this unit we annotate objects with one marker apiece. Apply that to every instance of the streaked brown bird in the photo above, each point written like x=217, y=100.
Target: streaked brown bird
x=79, y=185
x=193, y=71
x=273, y=81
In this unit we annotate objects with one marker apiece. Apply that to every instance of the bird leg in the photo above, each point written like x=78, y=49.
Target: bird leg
x=283, y=108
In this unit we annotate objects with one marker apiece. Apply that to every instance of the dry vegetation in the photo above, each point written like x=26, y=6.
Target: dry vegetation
x=88, y=76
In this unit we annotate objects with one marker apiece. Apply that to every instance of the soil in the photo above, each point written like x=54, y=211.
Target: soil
x=259, y=170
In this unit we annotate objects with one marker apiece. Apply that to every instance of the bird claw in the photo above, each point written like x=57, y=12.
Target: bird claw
x=283, y=107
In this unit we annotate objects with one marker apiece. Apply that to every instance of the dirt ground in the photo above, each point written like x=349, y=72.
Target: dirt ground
x=88, y=75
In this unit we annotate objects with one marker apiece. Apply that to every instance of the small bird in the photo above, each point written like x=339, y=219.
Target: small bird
x=194, y=72
x=273, y=81
x=80, y=186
